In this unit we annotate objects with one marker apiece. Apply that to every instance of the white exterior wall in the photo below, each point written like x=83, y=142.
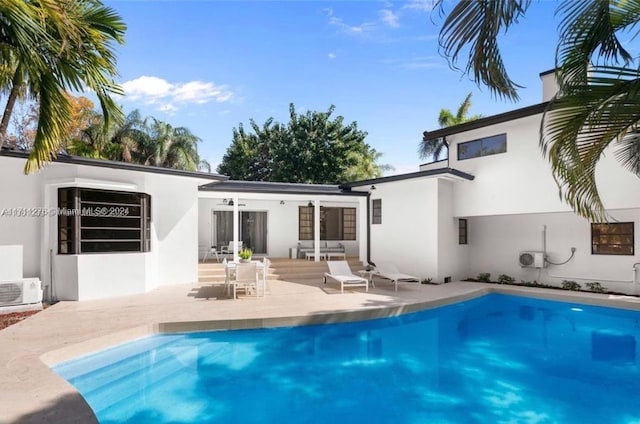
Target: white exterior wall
x=282, y=220
x=173, y=256
x=496, y=242
x=408, y=234
x=453, y=258
x=520, y=180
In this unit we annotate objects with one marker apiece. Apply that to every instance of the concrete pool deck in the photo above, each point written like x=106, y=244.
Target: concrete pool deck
x=31, y=392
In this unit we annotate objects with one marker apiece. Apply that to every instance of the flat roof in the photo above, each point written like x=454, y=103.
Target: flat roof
x=485, y=122
x=103, y=163
x=278, y=188
x=411, y=175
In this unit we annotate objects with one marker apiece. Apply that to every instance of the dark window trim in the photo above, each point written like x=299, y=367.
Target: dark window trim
x=596, y=243
x=376, y=211
x=304, y=211
x=480, y=140
x=463, y=231
x=101, y=221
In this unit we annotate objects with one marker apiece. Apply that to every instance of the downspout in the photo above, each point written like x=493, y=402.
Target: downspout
x=444, y=140
x=369, y=227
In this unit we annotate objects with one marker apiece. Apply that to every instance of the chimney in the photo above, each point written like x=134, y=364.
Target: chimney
x=550, y=86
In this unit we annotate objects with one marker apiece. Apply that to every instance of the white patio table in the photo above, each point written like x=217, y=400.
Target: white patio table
x=230, y=266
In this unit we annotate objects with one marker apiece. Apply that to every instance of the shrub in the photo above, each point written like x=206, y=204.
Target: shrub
x=245, y=253
x=570, y=285
x=596, y=287
x=484, y=277
x=427, y=281
x=506, y=279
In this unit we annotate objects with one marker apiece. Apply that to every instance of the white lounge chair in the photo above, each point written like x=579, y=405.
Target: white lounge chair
x=340, y=271
x=390, y=272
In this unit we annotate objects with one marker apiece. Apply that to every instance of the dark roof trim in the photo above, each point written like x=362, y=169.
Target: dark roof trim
x=435, y=161
x=550, y=71
x=419, y=174
x=77, y=160
x=485, y=122
x=278, y=188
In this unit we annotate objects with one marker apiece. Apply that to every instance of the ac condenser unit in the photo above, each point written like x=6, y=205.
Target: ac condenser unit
x=532, y=260
x=20, y=292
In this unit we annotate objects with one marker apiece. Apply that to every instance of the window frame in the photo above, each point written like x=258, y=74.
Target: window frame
x=347, y=230
x=480, y=141
x=376, y=211
x=96, y=221
x=601, y=238
x=463, y=231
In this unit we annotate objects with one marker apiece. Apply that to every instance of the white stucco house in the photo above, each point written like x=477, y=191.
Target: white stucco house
x=478, y=211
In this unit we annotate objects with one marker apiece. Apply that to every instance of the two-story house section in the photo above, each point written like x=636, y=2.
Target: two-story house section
x=493, y=207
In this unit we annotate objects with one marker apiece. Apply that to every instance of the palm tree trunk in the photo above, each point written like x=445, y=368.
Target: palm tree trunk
x=11, y=102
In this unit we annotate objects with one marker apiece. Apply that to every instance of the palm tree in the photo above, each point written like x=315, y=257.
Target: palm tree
x=434, y=148
x=599, y=81
x=49, y=46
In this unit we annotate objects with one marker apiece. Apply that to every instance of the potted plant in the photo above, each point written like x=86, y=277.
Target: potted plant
x=245, y=254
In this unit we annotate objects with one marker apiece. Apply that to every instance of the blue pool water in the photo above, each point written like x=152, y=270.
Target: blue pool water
x=495, y=359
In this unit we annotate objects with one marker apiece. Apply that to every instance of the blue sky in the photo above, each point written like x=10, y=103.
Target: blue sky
x=210, y=65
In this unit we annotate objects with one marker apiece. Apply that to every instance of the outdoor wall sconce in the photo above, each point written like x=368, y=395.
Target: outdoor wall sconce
x=230, y=202
x=373, y=187
x=310, y=204
x=282, y=202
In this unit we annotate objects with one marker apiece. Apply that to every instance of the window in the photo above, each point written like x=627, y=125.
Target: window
x=376, y=211
x=462, y=231
x=99, y=221
x=612, y=239
x=482, y=147
x=335, y=223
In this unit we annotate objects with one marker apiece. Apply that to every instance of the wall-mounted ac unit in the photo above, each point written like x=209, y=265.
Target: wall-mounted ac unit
x=20, y=292
x=532, y=260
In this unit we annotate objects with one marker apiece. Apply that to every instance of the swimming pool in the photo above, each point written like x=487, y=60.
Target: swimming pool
x=494, y=359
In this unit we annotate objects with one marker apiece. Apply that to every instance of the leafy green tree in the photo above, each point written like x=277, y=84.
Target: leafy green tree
x=599, y=80
x=48, y=47
x=310, y=148
x=436, y=147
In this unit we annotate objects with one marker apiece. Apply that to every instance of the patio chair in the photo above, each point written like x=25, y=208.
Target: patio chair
x=389, y=271
x=340, y=271
x=246, y=278
x=228, y=250
x=211, y=252
x=265, y=276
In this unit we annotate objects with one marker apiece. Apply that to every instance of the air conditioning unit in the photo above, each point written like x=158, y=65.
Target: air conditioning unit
x=532, y=260
x=20, y=292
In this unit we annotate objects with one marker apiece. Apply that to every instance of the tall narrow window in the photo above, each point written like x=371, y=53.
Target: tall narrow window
x=612, y=239
x=335, y=223
x=462, y=231
x=99, y=221
x=376, y=211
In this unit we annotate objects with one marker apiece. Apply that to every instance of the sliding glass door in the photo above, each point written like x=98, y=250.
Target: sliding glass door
x=253, y=229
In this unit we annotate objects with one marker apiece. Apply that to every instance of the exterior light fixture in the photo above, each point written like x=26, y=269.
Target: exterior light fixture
x=230, y=202
x=282, y=202
x=310, y=204
x=373, y=187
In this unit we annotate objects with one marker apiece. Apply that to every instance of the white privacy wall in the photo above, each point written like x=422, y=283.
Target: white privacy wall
x=496, y=242
x=18, y=190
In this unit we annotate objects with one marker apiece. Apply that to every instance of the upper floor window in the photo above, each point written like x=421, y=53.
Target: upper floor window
x=335, y=223
x=376, y=211
x=612, y=239
x=482, y=147
x=100, y=221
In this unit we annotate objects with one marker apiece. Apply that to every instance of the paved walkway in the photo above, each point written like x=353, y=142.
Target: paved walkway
x=31, y=392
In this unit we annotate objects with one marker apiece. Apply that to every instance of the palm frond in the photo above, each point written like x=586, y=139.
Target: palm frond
x=579, y=126
x=476, y=26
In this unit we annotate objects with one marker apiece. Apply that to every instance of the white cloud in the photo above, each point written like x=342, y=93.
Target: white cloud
x=422, y=5
x=331, y=55
x=154, y=90
x=389, y=18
